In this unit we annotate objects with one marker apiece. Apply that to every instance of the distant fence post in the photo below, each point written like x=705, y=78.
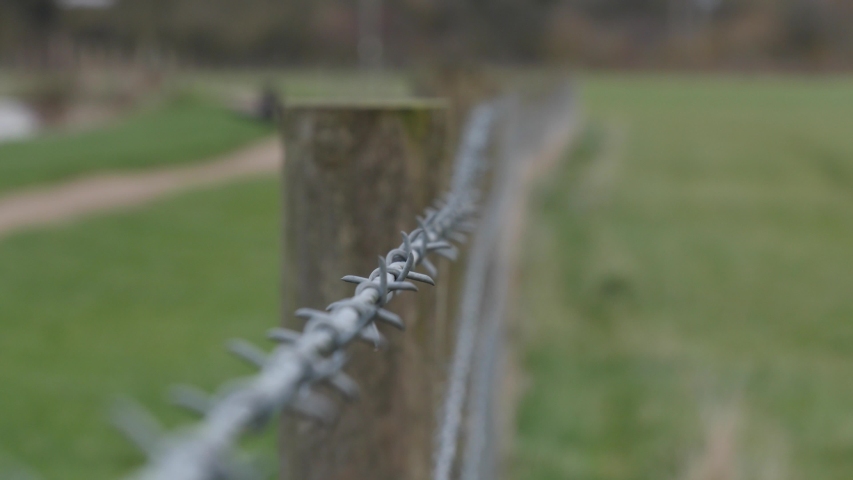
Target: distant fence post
x=356, y=175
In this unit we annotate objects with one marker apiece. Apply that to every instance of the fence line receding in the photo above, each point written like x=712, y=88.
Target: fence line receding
x=303, y=360
x=317, y=354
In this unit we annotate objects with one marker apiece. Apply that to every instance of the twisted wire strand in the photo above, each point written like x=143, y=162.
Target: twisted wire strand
x=478, y=350
x=480, y=450
x=205, y=452
x=474, y=290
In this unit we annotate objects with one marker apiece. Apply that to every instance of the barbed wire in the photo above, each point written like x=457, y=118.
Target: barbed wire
x=479, y=454
x=474, y=289
x=478, y=351
x=482, y=282
x=317, y=354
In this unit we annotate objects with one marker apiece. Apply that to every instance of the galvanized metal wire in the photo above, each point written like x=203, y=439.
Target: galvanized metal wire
x=478, y=325
x=474, y=290
x=317, y=354
x=480, y=448
x=479, y=349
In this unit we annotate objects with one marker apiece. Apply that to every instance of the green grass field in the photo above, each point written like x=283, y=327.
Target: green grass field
x=182, y=131
x=128, y=304
x=687, y=296
x=698, y=323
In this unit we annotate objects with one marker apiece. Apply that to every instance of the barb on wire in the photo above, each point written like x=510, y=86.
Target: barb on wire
x=317, y=354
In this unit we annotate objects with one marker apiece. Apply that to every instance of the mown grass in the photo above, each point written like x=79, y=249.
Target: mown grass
x=128, y=304
x=697, y=322
x=182, y=131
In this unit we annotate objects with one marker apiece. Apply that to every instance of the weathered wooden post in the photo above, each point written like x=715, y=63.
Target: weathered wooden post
x=356, y=175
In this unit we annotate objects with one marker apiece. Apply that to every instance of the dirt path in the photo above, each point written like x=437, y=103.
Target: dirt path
x=100, y=193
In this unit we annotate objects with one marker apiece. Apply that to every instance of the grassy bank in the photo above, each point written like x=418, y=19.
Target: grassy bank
x=698, y=323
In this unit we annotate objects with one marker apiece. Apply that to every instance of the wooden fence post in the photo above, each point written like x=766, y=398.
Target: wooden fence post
x=356, y=175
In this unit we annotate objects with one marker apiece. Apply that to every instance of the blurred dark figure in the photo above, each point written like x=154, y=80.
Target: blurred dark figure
x=268, y=104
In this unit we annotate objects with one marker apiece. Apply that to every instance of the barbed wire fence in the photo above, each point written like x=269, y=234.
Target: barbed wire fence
x=474, y=389
x=288, y=377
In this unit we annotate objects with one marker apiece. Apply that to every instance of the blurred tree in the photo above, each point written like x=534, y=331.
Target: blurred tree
x=400, y=32
x=38, y=21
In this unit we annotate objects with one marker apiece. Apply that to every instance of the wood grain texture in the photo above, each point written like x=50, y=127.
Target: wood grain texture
x=356, y=175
